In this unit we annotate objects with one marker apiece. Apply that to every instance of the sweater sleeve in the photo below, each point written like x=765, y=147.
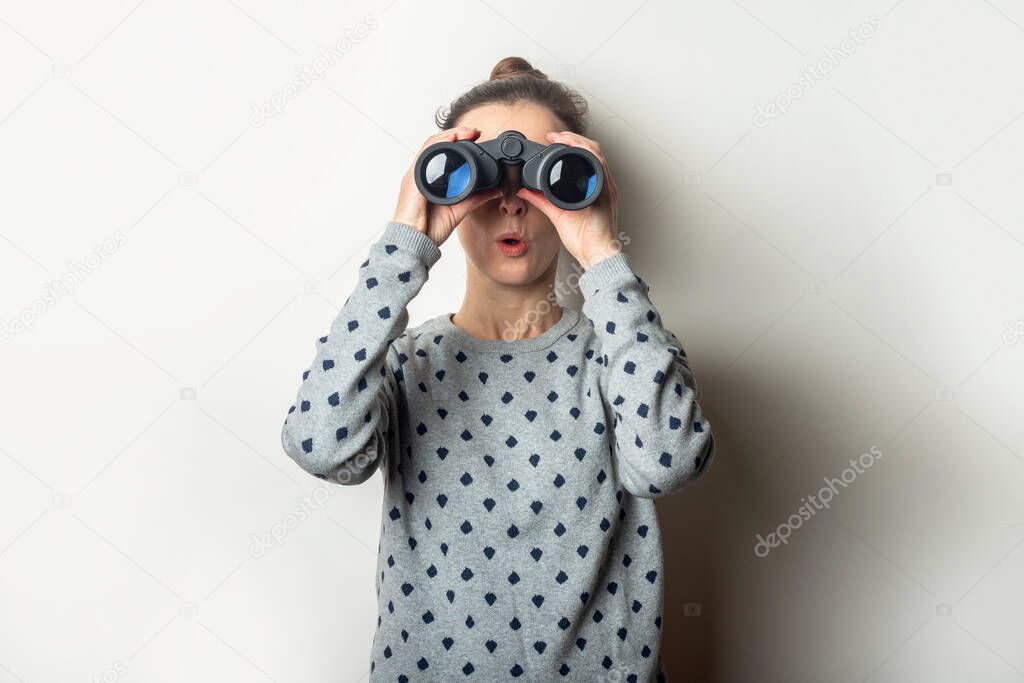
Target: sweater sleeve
x=343, y=425
x=662, y=440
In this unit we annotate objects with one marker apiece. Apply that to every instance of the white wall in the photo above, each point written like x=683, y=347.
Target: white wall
x=834, y=290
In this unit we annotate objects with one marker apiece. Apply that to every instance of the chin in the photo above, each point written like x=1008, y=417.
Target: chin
x=512, y=275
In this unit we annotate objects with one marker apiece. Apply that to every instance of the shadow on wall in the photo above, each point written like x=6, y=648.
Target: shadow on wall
x=709, y=530
x=730, y=613
x=725, y=606
x=725, y=614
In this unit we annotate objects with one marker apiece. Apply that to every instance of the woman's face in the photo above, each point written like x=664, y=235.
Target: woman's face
x=480, y=230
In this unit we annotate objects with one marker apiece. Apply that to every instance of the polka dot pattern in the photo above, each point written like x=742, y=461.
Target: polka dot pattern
x=519, y=538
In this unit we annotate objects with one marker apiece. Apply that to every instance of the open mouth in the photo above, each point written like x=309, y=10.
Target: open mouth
x=512, y=246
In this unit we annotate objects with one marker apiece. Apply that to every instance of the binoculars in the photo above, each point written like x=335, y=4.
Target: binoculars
x=448, y=172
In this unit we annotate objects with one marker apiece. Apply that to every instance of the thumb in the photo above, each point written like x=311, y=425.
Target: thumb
x=541, y=202
x=473, y=201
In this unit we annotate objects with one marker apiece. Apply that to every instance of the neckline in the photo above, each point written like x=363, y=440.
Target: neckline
x=570, y=317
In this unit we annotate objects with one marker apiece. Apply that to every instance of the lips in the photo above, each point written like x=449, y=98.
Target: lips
x=510, y=236
x=512, y=243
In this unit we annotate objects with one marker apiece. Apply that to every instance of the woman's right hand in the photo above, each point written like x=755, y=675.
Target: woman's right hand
x=435, y=220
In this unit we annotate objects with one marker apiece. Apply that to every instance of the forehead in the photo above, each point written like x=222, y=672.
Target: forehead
x=532, y=120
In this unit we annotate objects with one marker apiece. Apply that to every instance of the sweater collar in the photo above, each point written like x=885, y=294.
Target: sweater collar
x=568, y=320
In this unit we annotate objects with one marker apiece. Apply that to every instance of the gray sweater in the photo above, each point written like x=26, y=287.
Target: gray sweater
x=519, y=538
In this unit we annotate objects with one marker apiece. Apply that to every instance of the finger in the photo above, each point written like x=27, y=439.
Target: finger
x=463, y=208
x=542, y=203
x=462, y=133
x=613, y=188
x=576, y=140
x=448, y=132
x=450, y=135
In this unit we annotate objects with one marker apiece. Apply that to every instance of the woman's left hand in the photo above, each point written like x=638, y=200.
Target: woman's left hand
x=588, y=234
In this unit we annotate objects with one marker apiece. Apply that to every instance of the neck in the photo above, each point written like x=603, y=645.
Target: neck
x=492, y=310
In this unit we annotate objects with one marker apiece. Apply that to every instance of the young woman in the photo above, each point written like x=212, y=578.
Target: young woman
x=522, y=444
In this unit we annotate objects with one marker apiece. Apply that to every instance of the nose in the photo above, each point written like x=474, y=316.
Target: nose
x=511, y=203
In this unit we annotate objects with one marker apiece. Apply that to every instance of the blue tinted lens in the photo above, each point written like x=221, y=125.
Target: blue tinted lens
x=447, y=174
x=458, y=180
x=572, y=179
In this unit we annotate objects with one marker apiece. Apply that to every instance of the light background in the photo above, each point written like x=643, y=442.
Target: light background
x=846, y=276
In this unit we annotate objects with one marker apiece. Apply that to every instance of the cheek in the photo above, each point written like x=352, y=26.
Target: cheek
x=472, y=237
x=547, y=240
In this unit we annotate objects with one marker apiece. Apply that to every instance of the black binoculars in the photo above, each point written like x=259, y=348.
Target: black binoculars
x=448, y=172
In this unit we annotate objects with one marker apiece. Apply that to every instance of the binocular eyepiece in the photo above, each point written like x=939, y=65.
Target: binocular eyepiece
x=570, y=177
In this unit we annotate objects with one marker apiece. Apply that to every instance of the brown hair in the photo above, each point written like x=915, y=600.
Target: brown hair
x=513, y=79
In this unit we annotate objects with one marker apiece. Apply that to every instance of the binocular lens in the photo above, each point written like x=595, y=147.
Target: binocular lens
x=447, y=174
x=572, y=178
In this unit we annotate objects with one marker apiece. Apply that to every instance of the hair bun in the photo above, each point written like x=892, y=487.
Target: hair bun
x=515, y=66
x=513, y=79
